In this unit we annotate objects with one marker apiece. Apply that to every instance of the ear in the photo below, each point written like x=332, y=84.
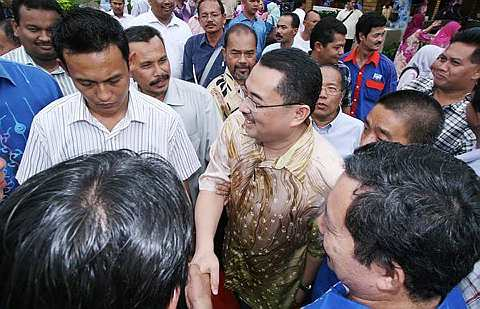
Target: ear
x=224, y=53
x=362, y=37
x=131, y=61
x=390, y=282
x=301, y=113
x=318, y=46
x=15, y=27
x=476, y=74
x=174, y=300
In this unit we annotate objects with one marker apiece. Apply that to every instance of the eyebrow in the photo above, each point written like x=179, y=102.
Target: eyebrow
x=384, y=132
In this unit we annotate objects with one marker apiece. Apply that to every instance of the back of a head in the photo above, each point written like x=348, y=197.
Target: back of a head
x=367, y=22
x=421, y=112
x=111, y=230
x=46, y=5
x=471, y=37
x=301, y=75
x=325, y=30
x=418, y=208
x=87, y=30
x=238, y=28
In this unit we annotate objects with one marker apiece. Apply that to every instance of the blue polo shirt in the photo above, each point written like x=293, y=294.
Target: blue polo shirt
x=24, y=91
x=197, y=53
x=261, y=28
x=369, y=83
x=336, y=297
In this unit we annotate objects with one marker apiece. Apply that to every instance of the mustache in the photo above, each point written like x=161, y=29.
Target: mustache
x=159, y=79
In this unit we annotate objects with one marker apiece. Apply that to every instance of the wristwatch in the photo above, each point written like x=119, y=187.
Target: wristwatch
x=305, y=287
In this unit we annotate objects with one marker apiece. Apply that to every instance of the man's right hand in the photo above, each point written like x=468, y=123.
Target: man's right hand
x=208, y=264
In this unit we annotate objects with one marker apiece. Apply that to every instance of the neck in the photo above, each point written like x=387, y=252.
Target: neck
x=363, y=55
x=166, y=20
x=276, y=149
x=110, y=121
x=214, y=38
x=305, y=35
x=248, y=15
x=49, y=65
x=157, y=96
x=119, y=15
x=447, y=97
x=398, y=302
x=324, y=121
x=287, y=44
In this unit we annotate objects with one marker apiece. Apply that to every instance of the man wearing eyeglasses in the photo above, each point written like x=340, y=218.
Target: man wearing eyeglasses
x=341, y=130
x=202, y=57
x=281, y=171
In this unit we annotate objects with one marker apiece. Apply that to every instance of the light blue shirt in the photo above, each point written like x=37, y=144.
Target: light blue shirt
x=344, y=133
x=472, y=158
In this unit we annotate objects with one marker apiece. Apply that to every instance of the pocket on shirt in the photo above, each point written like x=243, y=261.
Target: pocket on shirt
x=373, y=90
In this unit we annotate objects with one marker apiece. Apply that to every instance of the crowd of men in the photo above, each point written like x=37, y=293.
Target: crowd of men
x=137, y=157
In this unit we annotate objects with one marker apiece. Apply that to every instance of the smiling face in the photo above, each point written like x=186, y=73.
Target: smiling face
x=162, y=9
x=34, y=31
x=150, y=67
x=454, y=70
x=373, y=40
x=102, y=78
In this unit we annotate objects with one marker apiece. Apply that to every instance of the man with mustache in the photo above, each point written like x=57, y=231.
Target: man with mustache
x=33, y=23
x=175, y=32
x=373, y=74
x=240, y=57
x=202, y=59
x=287, y=28
x=455, y=74
x=150, y=68
x=105, y=114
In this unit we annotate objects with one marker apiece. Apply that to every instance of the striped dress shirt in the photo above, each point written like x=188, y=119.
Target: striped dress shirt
x=66, y=129
x=61, y=77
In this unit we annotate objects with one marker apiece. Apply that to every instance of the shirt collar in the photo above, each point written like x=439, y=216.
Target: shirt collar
x=242, y=17
x=470, y=156
x=151, y=18
x=5, y=74
x=374, y=58
x=135, y=110
x=203, y=40
x=172, y=97
x=29, y=61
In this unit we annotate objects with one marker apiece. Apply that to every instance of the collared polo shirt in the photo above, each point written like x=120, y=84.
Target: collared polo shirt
x=197, y=109
x=20, y=55
x=337, y=297
x=196, y=55
x=67, y=129
x=261, y=28
x=174, y=35
x=24, y=91
x=122, y=20
x=369, y=83
x=344, y=133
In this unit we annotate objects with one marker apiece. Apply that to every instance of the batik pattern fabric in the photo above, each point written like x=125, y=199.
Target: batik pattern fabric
x=227, y=93
x=272, y=210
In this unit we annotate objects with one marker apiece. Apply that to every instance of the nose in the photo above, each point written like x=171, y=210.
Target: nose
x=45, y=36
x=103, y=93
x=323, y=93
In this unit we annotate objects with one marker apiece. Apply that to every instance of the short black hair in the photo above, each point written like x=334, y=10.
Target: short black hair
x=298, y=3
x=367, y=22
x=302, y=79
x=222, y=8
x=295, y=19
x=312, y=11
x=109, y=230
x=7, y=27
x=470, y=36
x=46, y=5
x=325, y=30
x=142, y=34
x=421, y=112
x=87, y=30
x=237, y=28
x=417, y=207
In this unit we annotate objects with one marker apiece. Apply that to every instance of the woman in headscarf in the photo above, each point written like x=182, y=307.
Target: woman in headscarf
x=419, y=65
x=420, y=37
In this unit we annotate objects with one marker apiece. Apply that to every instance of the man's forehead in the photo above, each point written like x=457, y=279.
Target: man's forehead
x=459, y=50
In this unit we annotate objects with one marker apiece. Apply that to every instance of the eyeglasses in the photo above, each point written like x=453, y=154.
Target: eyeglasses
x=253, y=107
x=331, y=90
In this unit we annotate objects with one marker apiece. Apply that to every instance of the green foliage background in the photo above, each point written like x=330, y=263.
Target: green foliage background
x=70, y=4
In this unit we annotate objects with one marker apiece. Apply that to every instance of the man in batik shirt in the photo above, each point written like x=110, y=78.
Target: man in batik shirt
x=281, y=170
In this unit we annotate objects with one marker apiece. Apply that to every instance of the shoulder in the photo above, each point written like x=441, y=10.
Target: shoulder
x=13, y=54
x=351, y=121
x=189, y=88
x=25, y=71
x=63, y=106
x=385, y=61
x=151, y=105
x=140, y=20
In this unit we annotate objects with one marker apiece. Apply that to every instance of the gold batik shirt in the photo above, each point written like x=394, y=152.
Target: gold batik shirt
x=227, y=93
x=271, y=211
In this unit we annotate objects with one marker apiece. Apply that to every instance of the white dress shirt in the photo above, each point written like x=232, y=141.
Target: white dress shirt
x=278, y=46
x=66, y=129
x=298, y=42
x=123, y=20
x=175, y=35
x=61, y=77
x=196, y=107
x=344, y=133
x=350, y=22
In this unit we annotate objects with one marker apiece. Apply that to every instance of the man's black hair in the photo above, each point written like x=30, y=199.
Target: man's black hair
x=471, y=37
x=325, y=30
x=87, y=30
x=142, y=34
x=238, y=28
x=295, y=19
x=419, y=208
x=367, y=22
x=220, y=4
x=423, y=115
x=110, y=230
x=46, y=5
x=302, y=79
